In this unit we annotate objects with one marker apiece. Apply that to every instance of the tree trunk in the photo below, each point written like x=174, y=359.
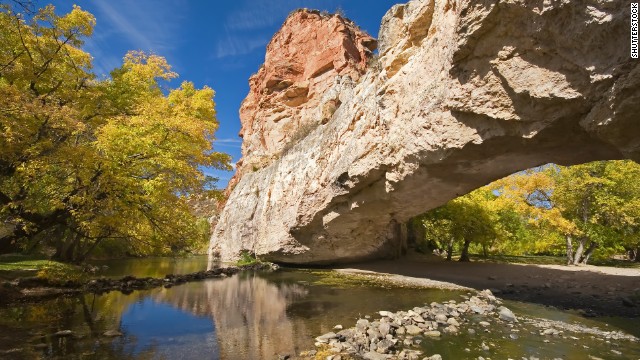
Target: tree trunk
x=449, y=249
x=7, y=245
x=569, y=250
x=577, y=257
x=59, y=236
x=69, y=254
x=66, y=248
x=485, y=250
x=59, y=250
x=416, y=234
x=83, y=254
x=587, y=254
x=464, y=256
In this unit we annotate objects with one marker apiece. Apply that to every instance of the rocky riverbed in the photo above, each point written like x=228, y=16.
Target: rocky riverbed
x=398, y=335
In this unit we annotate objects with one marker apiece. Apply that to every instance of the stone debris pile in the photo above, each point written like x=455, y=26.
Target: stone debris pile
x=394, y=334
x=399, y=335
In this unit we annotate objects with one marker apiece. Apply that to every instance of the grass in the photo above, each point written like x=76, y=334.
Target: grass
x=338, y=279
x=549, y=260
x=615, y=263
x=16, y=262
x=16, y=265
x=246, y=258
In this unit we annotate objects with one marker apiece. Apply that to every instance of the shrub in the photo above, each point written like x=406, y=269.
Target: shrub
x=246, y=258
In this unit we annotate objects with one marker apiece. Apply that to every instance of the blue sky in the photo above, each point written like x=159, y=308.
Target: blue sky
x=209, y=42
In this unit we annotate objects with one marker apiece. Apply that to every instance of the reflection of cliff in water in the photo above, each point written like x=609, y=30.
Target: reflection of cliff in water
x=249, y=313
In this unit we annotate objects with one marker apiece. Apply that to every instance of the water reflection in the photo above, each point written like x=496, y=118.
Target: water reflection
x=246, y=316
x=162, y=329
x=152, y=266
x=248, y=311
x=251, y=312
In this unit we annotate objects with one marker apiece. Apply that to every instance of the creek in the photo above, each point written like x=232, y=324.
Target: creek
x=261, y=315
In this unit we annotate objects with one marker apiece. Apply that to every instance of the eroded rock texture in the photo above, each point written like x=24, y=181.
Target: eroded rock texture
x=463, y=93
x=290, y=94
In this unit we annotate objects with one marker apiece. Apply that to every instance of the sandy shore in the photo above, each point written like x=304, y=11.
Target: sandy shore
x=592, y=290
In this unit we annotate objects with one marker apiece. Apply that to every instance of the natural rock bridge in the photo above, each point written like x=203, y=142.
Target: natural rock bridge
x=342, y=146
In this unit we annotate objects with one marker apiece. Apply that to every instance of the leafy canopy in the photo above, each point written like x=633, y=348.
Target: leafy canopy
x=540, y=211
x=85, y=161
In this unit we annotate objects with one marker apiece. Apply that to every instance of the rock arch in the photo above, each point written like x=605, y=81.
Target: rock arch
x=462, y=93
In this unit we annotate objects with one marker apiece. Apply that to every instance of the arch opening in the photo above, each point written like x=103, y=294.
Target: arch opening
x=570, y=214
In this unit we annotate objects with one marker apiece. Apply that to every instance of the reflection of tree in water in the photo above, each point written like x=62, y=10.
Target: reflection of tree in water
x=249, y=312
x=153, y=266
x=31, y=328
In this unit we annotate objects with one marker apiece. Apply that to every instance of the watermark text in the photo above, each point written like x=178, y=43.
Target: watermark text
x=634, y=30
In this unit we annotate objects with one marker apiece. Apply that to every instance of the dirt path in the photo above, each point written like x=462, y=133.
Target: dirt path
x=592, y=290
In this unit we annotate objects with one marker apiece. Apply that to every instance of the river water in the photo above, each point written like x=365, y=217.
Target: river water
x=261, y=316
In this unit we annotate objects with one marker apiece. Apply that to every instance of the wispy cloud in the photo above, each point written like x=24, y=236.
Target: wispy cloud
x=222, y=176
x=238, y=44
x=258, y=14
x=229, y=140
x=132, y=30
x=147, y=25
x=232, y=143
x=219, y=174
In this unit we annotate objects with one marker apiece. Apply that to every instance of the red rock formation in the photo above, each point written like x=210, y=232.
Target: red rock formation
x=302, y=62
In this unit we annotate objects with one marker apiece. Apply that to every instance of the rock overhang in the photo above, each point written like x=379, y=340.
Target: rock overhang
x=463, y=93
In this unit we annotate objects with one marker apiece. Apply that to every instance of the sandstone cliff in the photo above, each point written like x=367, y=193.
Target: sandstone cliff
x=290, y=94
x=464, y=92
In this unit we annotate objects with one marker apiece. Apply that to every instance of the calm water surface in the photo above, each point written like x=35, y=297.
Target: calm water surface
x=255, y=316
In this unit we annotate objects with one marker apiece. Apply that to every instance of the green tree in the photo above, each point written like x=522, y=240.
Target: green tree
x=86, y=161
x=596, y=204
x=551, y=209
x=603, y=201
x=464, y=220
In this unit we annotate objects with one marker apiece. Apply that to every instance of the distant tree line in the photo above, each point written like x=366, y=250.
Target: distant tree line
x=578, y=211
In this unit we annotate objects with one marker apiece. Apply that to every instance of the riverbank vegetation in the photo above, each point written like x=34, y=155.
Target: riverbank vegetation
x=581, y=212
x=92, y=164
x=13, y=266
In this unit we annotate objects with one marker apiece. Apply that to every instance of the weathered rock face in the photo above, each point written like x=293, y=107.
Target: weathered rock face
x=289, y=94
x=464, y=92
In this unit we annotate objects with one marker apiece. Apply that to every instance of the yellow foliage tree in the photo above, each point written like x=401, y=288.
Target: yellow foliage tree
x=84, y=161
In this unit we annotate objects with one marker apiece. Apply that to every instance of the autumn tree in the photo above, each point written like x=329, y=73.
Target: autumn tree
x=593, y=205
x=84, y=161
x=579, y=209
x=530, y=195
x=602, y=200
